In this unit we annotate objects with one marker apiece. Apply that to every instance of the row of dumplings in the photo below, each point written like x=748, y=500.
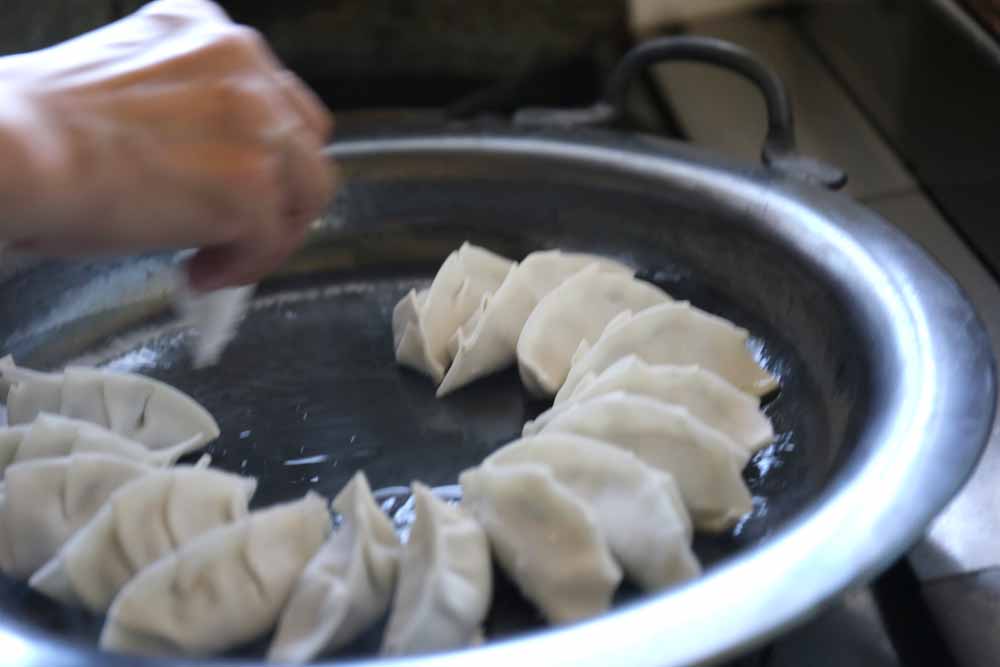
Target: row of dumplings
x=656, y=411
x=171, y=554
x=674, y=385
x=177, y=562
x=562, y=317
x=655, y=415
x=180, y=566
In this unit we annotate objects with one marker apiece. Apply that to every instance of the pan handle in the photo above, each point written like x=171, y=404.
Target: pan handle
x=779, y=152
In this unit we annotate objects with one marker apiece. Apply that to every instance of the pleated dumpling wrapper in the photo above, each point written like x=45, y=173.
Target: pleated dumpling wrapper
x=221, y=590
x=487, y=341
x=575, y=313
x=141, y=522
x=135, y=406
x=625, y=494
x=423, y=322
x=706, y=396
x=51, y=436
x=676, y=334
x=704, y=462
x=445, y=581
x=44, y=502
x=348, y=584
x=544, y=537
x=215, y=316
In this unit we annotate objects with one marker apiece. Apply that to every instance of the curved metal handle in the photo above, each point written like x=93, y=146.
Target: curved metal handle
x=779, y=150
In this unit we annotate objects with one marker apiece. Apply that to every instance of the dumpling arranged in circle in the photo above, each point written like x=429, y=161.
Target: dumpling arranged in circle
x=676, y=334
x=706, y=396
x=573, y=314
x=545, y=538
x=445, y=581
x=424, y=321
x=347, y=586
x=623, y=493
x=134, y=406
x=50, y=436
x=43, y=502
x=222, y=589
x=487, y=341
x=141, y=522
x=705, y=463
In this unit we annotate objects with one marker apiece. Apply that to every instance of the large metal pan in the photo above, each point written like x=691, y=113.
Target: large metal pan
x=887, y=390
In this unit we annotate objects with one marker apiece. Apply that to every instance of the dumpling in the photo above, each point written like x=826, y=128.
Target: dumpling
x=584, y=347
x=423, y=322
x=348, y=584
x=638, y=508
x=135, y=406
x=706, y=396
x=705, y=463
x=487, y=342
x=544, y=537
x=50, y=436
x=43, y=502
x=576, y=311
x=221, y=590
x=214, y=316
x=676, y=334
x=11, y=438
x=142, y=521
x=445, y=581
x=408, y=339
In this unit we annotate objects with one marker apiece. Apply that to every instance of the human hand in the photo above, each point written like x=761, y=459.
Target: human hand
x=170, y=128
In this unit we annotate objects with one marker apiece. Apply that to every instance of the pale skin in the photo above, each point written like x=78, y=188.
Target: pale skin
x=171, y=128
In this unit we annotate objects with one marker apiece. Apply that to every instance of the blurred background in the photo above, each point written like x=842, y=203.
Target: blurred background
x=904, y=95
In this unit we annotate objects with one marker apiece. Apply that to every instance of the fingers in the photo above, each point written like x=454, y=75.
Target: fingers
x=269, y=106
x=291, y=126
x=299, y=127
x=305, y=179
x=308, y=179
x=194, y=134
x=241, y=263
x=216, y=267
x=313, y=112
